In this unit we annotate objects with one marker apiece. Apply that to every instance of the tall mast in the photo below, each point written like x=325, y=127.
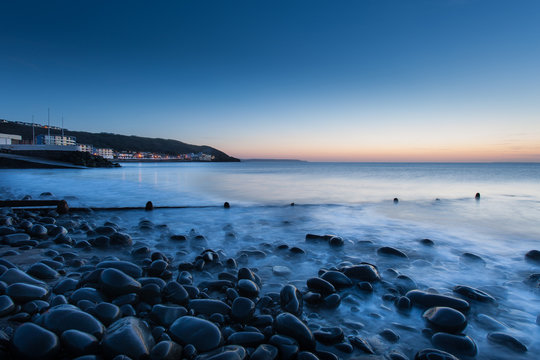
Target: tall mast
x=48, y=142
x=62, y=127
x=33, y=131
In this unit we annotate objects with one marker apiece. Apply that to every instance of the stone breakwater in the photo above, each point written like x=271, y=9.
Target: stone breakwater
x=72, y=289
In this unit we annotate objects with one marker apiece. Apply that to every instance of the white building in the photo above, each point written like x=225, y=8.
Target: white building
x=85, y=148
x=56, y=140
x=105, y=153
x=8, y=139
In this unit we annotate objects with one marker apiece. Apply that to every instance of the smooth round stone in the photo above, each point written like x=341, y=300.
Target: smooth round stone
x=121, y=240
x=306, y=355
x=87, y=293
x=18, y=239
x=425, y=299
x=390, y=251
x=242, y=309
x=287, y=346
x=115, y=283
x=455, y=344
x=107, y=313
x=38, y=230
x=42, y=271
x=362, y=272
x=31, y=341
x=291, y=300
x=53, y=264
x=434, y=354
x=361, y=344
x=65, y=317
x=247, y=288
x=389, y=335
x=228, y=352
x=279, y=270
x=472, y=259
x=320, y=286
x=21, y=293
x=6, y=305
x=65, y=285
x=14, y=275
x=337, y=279
x=336, y=241
x=209, y=307
x=129, y=336
x=445, y=319
x=329, y=335
x=533, y=255
x=264, y=352
x=166, y=314
x=79, y=343
x=202, y=334
x=125, y=266
x=507, y=341
x=166, y=350
x=403, y=303
x=474, y=294
x=176, y=293
x=246, y=338
x=289, y=325
x=152, y=280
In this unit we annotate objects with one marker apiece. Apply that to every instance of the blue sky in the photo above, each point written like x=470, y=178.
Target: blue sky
x=433, y=80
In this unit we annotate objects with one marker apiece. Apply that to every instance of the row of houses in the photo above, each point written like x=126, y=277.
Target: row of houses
x=62, y=140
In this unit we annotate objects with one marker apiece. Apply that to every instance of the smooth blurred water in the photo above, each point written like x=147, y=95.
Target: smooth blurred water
x=351, y=200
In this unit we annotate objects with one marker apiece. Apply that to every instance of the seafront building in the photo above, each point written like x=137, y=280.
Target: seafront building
x=60, y=140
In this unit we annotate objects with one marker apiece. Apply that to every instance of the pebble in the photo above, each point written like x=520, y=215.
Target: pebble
x=209, y=307
x=434, y=354
x=31, y=341
x=389, y=335
x=166, y=314
x=533, y=255
x=166, y=350
x=6, y=305
x=228, y=352
x=291, y=300
x=42, y=271
x=287, y=346
x=107, y=313
x=176, y=293
x=459, y=345
x=246, y=338
x=200, y=333
x=473, y=294
x=337, y=279
x=363, y=272
x=21, y=292
x=508, y=341
x=125, y=266
x=14, y=275
x=65, y=317
x=128, y=336
x=445, y=319
x=390, y=251
x=265, y=352
x=320, y=286
x=242, y=309
x=247, y=288
x=425, y=299
x=115, y=283
x=289, y=325
x=361, y=344
x=329, y=335
x=281, y=270
x=79, y=343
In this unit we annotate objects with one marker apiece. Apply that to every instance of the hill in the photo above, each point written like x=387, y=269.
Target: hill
x=117, y=142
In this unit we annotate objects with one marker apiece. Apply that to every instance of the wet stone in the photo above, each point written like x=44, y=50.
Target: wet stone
x=329, y=335
x=287, y=346
x=128, y=336
x=107, y=313
x=425, y=299
x=38, y=231
x=507, y=341
x=31, y=341
x=246, y=338
x=6, y=305
x=176, y=293
x=242, y=309
x=472, y=259
x=86, y=293
x=264, y=352
x=445, y=319
x=281, y=270
x=42, y=271
x=115, y=282
x=306, y=355
x=389, y=335
x=365, y=286
x=474, y=294
x=332, y=301
x=202, y=334
x=458, y=345
x=291, y=300
x=289, y=325
x=320, y=286
x=21, y=293
x=166, y=350
x=362, y=272
x=125, y=266
x=434, y=354
x=209, y=306
x=166, y=314
x=337, y=279
x=390, y=251
x=79, y=343
x=228, y=352
x=13, y=275
x=361, y=344
x=65, y=317
x=533, y=255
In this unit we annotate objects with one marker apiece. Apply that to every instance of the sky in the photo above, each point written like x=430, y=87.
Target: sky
x=362, y=80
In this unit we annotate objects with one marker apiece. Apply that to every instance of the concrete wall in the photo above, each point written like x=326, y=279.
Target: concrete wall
x=38, y=147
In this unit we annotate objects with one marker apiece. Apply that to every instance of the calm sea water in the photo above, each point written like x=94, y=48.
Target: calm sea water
x=352, y=200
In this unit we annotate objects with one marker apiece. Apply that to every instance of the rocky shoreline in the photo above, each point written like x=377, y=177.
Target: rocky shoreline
x=73, y=289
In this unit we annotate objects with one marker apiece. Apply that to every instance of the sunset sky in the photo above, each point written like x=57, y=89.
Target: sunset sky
x=370, y=80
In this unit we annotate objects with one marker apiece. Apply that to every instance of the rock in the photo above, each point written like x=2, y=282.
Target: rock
x=38, y=231
x=6, y=305
x=281, y=270
x=209, y=307
x=427, y=242
x=121, y=240
x=21, y=292
x=42, y=271
x=508, y=341
x=79, y=343
x=389, y=335
x=425, y=299
x=115, y=282
x=390, y=251
x=14, y=275
x=291, y=300
x=31, y=341
x=459, y=345
x=107, y=313
x=318, y=238
x=362, y=272
x=242, y=309
x=320, y=286
x=306, y=355
x=474, y=294
x=289, y=325
x=128, y=336
x=287, y=346
x=166, y=350
x=472, y=259
x=433, y=354
x=337, y=279
x=365, y=286
x=66, y=317
x=332, y=301
x=533, y=255
x=264, y=352
x=125, y=266
x=445, y=319
x=246, y=338
x=329, y=335
x=176, y=293
x=336, y=241
x=361, y=344
x=229, y=352
x=202, y=334
x=247, y=288
x=87, y=293
x=166, y=314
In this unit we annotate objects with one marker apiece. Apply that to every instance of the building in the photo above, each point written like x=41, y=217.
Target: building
x=9, y=139
x=85, y=148
x=56, y=140
x=104, y=153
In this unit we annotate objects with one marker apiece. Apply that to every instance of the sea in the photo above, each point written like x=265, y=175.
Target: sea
x=275, y=203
